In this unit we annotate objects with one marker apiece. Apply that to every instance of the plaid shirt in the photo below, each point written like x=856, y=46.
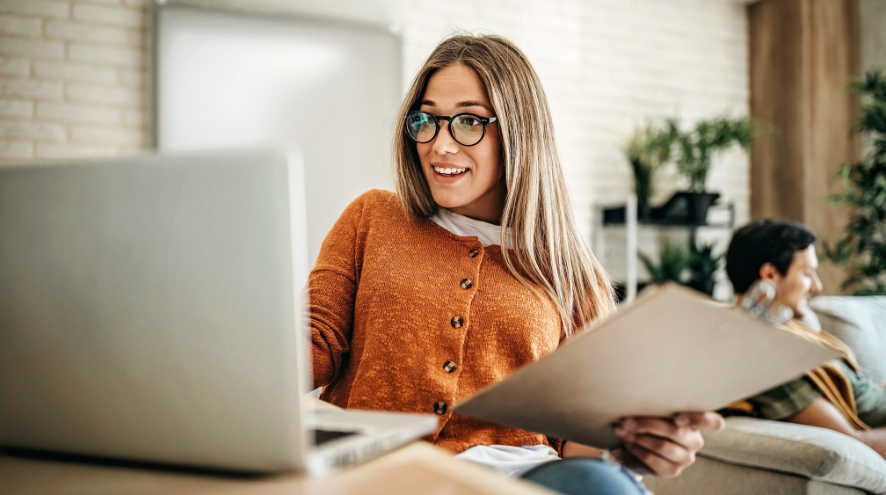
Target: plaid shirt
x=786, y=400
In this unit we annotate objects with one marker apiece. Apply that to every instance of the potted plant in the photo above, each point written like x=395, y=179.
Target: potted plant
x=672, y=265
x=703, y=265
x=647, y=150
x=695, y=150
x=862, y=248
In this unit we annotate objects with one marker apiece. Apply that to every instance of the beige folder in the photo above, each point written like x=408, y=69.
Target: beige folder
x=672, y=350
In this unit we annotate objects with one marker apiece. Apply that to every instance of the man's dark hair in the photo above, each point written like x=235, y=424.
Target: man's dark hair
x=761, y=242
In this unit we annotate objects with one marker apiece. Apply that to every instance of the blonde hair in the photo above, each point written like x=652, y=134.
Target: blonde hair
x=547, y=248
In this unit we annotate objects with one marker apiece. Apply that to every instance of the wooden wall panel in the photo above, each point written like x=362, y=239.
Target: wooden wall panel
x=802, y=55
x=834, y=60
x=776, y=70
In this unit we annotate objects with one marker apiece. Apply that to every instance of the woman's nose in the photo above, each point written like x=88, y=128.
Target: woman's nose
x=444, y=143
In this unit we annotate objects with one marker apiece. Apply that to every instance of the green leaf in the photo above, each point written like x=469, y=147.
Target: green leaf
x=861, y=249
x=673, y=262
x=697, y=148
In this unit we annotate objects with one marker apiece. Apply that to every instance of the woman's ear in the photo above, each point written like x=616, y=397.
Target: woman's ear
x=769, y=272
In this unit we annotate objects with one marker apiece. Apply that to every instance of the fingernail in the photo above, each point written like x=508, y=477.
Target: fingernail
x=629, y=425
x=681, y=421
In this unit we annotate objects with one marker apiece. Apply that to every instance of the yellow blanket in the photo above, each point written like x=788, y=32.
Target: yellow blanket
x=829, y=379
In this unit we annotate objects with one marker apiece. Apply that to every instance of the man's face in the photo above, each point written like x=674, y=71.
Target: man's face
x=795, y=287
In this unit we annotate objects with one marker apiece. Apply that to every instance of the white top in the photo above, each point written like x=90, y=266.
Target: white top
x=460, y=225
x=508, y=460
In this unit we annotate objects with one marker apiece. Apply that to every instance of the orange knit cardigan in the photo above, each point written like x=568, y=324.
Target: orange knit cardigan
x=406, y=316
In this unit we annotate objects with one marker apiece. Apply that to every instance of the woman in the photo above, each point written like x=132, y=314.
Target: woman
x=415, y=305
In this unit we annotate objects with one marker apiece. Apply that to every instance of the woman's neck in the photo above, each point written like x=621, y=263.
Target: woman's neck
x=487, y=208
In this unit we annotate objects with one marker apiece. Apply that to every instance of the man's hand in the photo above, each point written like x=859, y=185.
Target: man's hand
x=664, y=446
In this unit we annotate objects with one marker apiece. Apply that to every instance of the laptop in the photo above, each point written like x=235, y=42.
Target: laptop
x=151, y=310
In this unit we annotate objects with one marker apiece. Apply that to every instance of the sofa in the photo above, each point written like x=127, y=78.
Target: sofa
x=756, y=456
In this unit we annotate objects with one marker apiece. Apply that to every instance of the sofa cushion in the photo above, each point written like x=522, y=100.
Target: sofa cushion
x=712, y=477
x=861, y=323
x=814, y=453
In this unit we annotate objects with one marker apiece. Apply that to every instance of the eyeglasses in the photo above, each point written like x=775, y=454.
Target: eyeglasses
x=466, y=129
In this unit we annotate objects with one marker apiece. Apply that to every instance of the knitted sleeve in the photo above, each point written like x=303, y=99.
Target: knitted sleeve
x=557, y=445
x=332, y=287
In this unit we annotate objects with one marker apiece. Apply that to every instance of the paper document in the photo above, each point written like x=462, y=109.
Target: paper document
x=672, y=350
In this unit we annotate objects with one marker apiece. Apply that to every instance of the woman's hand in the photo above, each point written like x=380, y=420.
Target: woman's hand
x=663, y=446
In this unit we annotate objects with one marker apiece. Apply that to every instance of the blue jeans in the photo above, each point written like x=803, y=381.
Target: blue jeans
x=584, y=476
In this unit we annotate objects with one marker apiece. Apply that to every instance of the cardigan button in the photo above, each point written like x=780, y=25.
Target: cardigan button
x=440, y=407
x=466, y=284
x=473, y=252
x=449, y=366
x=456, y=321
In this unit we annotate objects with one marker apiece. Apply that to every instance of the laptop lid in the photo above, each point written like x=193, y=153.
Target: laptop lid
x=148, y=308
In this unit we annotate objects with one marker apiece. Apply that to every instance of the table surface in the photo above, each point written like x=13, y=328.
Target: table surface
x=415, y=468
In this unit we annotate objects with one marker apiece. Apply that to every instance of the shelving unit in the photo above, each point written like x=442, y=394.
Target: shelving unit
x=632, y=225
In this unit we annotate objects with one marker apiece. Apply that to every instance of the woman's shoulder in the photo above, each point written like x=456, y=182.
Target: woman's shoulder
x=377, y=201
x=375, y=204
x=378, y=198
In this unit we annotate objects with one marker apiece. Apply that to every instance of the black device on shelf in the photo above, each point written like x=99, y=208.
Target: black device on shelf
x=684, y=208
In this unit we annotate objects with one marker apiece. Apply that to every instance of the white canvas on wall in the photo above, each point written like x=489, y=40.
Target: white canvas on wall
x=328, y=89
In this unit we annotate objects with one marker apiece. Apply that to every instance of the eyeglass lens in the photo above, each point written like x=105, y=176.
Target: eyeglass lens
x=421, y=126
x=467, y=130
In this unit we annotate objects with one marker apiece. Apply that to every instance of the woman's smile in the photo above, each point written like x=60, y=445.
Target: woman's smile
x=449, y=171
x=446, y=173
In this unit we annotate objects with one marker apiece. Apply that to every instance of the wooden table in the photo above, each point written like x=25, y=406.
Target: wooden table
x=417, y=468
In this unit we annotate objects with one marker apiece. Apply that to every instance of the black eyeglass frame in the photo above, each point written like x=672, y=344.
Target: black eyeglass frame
x=438, y=118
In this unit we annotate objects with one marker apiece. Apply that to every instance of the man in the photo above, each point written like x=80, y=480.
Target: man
x=836, y=396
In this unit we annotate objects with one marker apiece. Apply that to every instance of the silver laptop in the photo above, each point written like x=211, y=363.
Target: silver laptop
x=150, y=310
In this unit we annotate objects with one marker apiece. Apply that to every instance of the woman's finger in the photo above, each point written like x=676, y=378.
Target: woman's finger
x=664, y=428
x=670, y=451
x=654, y=463
x=705, y=421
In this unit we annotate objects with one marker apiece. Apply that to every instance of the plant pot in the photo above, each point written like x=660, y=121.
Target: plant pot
x=706, y=286
x=685, y=208
x=699, y=203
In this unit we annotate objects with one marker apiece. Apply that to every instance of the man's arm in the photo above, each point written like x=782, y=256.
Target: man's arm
x=823, y=414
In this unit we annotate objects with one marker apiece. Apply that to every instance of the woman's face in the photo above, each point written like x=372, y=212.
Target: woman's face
x=477, y=192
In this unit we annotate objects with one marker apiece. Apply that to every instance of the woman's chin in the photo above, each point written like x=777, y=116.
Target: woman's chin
x=448, y=202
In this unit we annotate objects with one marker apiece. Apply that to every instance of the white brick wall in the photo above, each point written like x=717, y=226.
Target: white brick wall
x=72, y=78
x=72, y=74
